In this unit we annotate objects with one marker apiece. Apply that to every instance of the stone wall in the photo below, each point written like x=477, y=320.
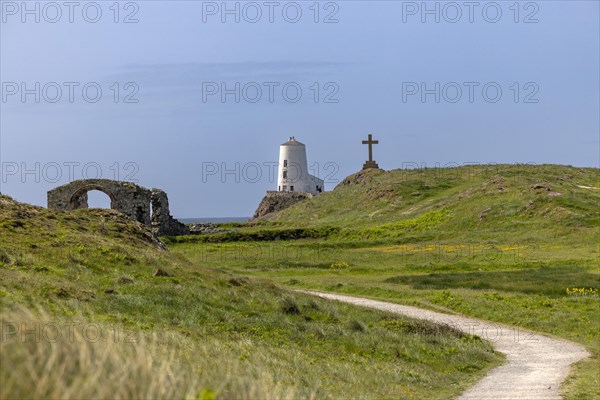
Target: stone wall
x=163, y=224
x=276, y=201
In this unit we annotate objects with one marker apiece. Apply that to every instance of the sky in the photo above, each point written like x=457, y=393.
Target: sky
x=195, y=97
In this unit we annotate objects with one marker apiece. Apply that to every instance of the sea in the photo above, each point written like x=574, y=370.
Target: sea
x=205, y=220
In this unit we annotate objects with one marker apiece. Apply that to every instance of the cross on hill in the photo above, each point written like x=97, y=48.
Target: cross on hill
x=370, y=163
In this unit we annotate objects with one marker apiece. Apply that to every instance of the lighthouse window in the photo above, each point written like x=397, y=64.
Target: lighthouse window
x=284, y=174
x=284, y=188
x=291, y=188
x=285, y=163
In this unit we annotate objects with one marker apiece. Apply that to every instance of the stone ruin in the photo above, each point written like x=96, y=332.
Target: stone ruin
x=149, y=207
x=163, y=224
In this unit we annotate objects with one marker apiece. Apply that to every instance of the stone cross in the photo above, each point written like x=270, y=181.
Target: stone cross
x=370, y=163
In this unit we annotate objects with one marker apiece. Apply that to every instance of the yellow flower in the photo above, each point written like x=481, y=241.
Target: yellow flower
x=339, y=265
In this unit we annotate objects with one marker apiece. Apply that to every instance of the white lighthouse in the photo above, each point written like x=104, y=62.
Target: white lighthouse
x=293, y=173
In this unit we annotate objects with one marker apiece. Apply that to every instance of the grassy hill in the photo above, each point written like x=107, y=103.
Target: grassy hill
x=92, y=306
x=517, y=244
x=498, y=197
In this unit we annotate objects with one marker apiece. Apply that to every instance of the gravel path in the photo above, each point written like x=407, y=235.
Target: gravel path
x=536, y=364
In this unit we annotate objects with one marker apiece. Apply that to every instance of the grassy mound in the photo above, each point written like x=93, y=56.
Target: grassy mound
x=500, y=197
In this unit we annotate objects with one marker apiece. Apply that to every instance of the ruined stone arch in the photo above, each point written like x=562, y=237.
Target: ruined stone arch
x=150, y=207
x=125, y=197
x=79, y=199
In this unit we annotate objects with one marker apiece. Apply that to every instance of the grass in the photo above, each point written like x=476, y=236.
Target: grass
x=202, y=331
x=501, y=243
x=539, y=281
x=96, y=360
x=498, y=197
x=249, y=234
x=526, y=292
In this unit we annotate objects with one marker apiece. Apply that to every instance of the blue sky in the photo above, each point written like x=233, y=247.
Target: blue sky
x=181, y=136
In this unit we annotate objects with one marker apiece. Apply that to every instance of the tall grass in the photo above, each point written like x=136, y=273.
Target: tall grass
x=34, y=365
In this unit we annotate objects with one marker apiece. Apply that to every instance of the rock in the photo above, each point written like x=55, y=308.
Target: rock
x=541, y=186
x=150, y=237
x=482, y=215
x=553, y=194
x=277, y=201
x=499, y=181
x=161, y=273
x=205, y=229
x=529, y=205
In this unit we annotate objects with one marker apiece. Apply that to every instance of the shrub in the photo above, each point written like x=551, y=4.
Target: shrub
x=357, y=326
x=289, y=306
x=339, y=265
x=257, y=235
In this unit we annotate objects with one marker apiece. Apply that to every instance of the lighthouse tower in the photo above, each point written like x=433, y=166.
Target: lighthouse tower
x=293, y=173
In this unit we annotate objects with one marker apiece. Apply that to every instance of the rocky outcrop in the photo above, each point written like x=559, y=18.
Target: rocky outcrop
x=276, y=201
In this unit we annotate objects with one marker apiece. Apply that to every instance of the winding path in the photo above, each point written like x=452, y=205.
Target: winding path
x=535, y=365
